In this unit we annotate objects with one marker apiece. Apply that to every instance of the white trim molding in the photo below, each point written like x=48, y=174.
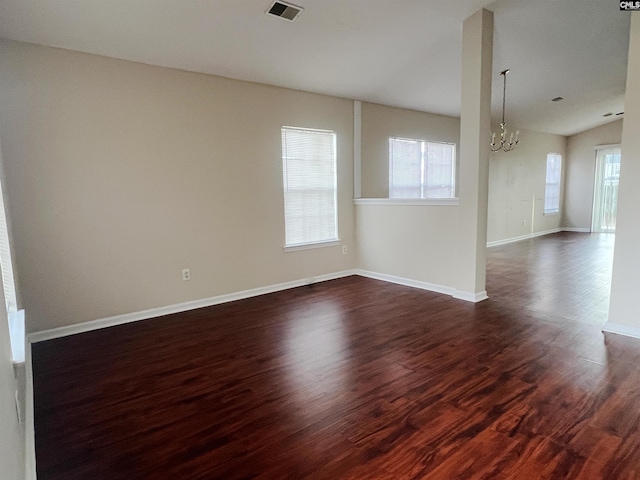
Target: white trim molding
x=546, y=232
x=495, y=243
x=311, y=246
x=100, y=323
x=407, y=201
x=432, y=287
x=576, y=229
x=357, y=148
x=91, y=325
x=621, y=329
x=177, y=308
x=469, y=296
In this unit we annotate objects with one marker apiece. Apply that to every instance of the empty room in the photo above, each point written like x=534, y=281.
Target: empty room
x=332, y=240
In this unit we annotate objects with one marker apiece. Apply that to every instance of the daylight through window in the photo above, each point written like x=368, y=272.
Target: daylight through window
x=309, y=179
x=552, y=188
x=420, y=169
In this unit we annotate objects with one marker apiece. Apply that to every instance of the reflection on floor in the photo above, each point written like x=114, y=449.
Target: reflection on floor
x=564, y=274
x=357, y=379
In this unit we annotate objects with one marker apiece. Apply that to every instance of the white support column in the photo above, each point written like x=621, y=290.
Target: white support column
x=624, y=309
x=475, y=125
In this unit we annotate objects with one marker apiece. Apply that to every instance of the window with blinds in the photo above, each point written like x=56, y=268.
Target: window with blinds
x=15, y=317
x=6, y=266
x=552, y=188
x=309, y=180
x=419, y=169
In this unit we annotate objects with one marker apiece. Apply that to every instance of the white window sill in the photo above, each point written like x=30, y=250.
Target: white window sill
x=406, y=201
x=309, y=246
x=557, y=212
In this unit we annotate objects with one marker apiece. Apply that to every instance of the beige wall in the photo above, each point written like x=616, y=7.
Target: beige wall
x=624, y=314
x=581, y=167
x=412, y=242
x=516, y=187
x=380, y=122
x=121, y=174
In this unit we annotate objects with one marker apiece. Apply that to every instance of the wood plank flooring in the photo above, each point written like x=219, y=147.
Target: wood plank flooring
x=357, y=379
x=564, y=274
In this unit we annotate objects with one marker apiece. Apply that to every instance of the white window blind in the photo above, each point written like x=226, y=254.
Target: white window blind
x=15, y=317
x=309, y=178
x=552, y=188
x=5, y=262
x=419, y=169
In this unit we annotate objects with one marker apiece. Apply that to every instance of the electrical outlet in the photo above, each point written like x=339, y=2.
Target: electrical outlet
x=344, y=249
x=524, y=223
x=186, y=274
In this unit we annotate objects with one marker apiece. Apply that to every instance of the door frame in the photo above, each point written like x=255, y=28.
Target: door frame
x=597, y=183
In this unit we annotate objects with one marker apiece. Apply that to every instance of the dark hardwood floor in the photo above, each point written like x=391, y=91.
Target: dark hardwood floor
x=565, y=274
x=357, y=379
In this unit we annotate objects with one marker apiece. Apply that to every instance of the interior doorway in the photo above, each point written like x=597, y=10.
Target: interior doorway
x=605, y=198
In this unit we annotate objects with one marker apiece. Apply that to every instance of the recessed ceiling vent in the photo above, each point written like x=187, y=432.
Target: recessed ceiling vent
x=284, y=10
x=557, y=99
x=607, y=114
x=621, y=113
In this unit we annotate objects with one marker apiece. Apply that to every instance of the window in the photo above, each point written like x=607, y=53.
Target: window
x=309, y=179
x=552, y=189
x=419, y=169
x=14, y=316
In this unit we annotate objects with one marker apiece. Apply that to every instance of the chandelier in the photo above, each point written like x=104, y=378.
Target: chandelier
x=504, y=145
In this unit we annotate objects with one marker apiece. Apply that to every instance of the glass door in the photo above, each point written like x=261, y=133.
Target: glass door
x=605, y=198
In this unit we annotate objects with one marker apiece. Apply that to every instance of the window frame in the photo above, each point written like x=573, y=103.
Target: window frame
x=286, y=165
x=424, y=163
x=555, y=184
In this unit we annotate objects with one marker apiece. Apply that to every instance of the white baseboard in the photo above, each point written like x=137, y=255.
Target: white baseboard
x=495, y=243
x=30, y=457
x=432, y=287
x=66, y=330
x=470, y=297
x=545, y=232
x=577, y=230
x=177, y=308
x=504, y=241
x=621, y=329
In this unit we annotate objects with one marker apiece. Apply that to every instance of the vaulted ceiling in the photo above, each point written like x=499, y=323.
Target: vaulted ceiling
x=405, y=53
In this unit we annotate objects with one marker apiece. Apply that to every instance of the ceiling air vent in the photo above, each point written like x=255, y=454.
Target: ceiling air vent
x=607, y=114
x=557, y=99
x=621, y=113
x=285, y=10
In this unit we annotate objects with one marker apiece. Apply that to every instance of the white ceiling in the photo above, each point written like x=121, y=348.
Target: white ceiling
x=405, y=53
